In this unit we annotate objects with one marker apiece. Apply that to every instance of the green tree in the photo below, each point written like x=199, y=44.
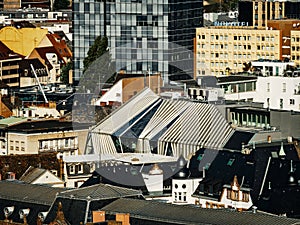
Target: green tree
x=61, y=4
x=98, y=67
x=65, y=72
x=95, y=51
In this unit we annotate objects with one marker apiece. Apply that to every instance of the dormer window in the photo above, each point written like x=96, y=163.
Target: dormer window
x=230, y=162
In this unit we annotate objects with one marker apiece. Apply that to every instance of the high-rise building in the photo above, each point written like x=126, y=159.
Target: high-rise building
x=144, y=35
x=260, y=11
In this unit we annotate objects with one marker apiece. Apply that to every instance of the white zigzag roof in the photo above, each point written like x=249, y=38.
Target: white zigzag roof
x=148, y=123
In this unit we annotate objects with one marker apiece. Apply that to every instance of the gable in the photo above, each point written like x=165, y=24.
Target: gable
x=47, y=178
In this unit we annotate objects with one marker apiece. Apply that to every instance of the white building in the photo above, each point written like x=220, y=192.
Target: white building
x=182, y=190
x=271, y=68
x=278, y=92
x=233, y=196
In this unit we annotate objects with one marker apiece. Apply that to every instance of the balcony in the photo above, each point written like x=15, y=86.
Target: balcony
x=58, y=148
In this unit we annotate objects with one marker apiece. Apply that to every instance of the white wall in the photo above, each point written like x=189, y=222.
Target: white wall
x=186, y=187
x=50, y=179
x=114, y=94
x=273, y=88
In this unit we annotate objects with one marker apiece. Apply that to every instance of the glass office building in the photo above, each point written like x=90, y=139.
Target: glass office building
x=144, y=35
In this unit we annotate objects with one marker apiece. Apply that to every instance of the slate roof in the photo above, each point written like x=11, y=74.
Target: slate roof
x=263, y=171
x=236, y=140
x=130, y=176
x=30, y=193
x=37, y=65
x=78, y=203
x=175, y=214
x=221, y=170
x=99, y=192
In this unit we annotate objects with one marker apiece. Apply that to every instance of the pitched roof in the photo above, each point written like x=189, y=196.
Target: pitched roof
x=60, y=45
x=78, y=203
x=32, y=174
x=99, y=192
x=7, y=53
x=175, y=214
x=37, y=65
x=30, y=193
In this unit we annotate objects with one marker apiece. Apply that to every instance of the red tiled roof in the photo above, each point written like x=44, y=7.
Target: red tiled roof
x=60, y=45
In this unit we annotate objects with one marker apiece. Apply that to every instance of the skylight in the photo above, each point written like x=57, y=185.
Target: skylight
x=230, y=162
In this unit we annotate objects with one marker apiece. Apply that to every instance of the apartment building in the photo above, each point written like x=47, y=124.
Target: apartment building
x=225, y=49
x=41, y=136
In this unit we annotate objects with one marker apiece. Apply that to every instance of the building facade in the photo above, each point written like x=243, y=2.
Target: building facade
x=139, y=33
x=225, y=49
x=262, y=11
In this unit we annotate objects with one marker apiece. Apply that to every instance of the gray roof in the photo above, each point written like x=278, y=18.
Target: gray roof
x=30, y=193
x=99, y=192
x=175, y=214
x=32, y=174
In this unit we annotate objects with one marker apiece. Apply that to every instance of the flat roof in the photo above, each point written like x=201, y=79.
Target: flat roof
x=12, y=120
x=130, y=158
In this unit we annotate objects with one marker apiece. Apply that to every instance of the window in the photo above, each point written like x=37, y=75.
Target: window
x=17, y=145
x=268, y=87
x=292, y=101
x=228, y=194
x=179, y=196
x=71, y=169
x=284, y=87
x=175, y=197
x=245, y=197
x=11, y=145
x=281, y=103
x=184, y=196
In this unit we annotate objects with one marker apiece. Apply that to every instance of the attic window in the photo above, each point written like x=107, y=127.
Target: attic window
x=230, y=162
x=200, y=157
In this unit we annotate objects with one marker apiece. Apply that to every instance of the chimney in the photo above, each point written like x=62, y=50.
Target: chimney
x=269, y=139
x=123, y=217
x=98, y=216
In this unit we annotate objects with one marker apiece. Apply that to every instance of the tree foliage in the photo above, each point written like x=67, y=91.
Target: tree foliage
x=61, y=4
x=65, y=72
x=95, y=51
x=98, y=67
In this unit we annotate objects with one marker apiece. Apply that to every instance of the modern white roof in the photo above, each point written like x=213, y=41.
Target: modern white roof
x=149, y=124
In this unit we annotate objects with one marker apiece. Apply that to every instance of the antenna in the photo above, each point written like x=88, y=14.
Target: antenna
x=33, y=70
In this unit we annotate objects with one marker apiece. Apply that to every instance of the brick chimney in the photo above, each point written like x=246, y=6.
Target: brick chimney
x=98, y=216
x=123, y=217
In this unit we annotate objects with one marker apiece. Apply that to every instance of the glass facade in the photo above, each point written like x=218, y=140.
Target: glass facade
x=144, y=35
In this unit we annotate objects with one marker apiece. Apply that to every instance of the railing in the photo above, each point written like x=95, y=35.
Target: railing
x=58, y=149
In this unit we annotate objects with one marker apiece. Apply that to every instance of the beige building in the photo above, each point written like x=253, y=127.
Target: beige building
x=223, y=49
x=43, y=136
x=266, y=10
